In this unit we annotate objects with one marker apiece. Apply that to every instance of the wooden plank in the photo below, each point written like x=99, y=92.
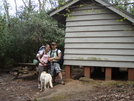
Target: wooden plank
x=89, y=6
x=99, y=57
x=108, y=73
x=68, y=72
x=93, y=23
x=100, y=34
x=105, y=39
x=100, y=45
x=27, y=64
x=90, y=11
x=99, y=63
x=94, y=17
x=87, y=72
x=100, y=51
x=99, y=28
x=130, y=74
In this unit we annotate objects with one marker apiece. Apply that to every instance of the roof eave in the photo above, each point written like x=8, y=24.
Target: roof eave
x=64, y=7
x=128, y=17
x=116, y=11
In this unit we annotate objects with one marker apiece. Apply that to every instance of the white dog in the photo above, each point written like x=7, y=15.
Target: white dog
x=46, y=79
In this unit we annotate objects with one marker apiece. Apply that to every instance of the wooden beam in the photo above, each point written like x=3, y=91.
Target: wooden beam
x=108, y=73
x=67, y=72
x=87, y=72
x=130, y=73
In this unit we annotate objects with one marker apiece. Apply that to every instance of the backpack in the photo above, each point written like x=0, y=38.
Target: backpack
x=36, y=61
x=40, y=49
x=61, y=59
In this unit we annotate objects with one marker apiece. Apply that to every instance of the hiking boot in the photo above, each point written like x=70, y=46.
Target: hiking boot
x=62, y=82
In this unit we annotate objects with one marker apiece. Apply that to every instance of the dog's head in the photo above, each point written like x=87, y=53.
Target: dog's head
x=44, y=72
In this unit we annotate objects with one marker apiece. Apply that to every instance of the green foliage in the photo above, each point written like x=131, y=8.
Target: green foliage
x=124, y=5
x=3, y=38
x=21, y=37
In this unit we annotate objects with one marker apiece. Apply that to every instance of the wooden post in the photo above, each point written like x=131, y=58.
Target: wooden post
x=87, y=72
x=130, y=73
x=67, y=72
x=108, y=73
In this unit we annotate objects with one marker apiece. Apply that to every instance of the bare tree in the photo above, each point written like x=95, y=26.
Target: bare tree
x=25, y=4
x=28, y=5
x=39, y=5
x=15, y=7
x=42, y=5
x=6, y=7
x=52, y=3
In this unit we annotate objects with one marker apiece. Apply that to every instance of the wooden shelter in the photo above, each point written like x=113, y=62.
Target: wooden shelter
x=97, y=34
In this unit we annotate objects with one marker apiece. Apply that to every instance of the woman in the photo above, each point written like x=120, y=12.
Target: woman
x=43, y=62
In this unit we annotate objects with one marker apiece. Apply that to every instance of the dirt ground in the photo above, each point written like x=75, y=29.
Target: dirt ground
x=77, y=89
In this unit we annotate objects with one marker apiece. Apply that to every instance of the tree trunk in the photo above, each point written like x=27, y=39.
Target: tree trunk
x=15, y=7
x=29, y=6
x=6, y=7
x=24, y=3
x=43, y=5
x=39, y=5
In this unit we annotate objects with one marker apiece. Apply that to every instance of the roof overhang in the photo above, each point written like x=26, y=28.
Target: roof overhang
x=62, y=9
x=123, y=14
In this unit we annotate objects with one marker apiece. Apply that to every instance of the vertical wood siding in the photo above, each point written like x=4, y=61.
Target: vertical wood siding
x=96, y=37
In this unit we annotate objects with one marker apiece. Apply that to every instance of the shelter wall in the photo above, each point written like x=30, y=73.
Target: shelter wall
x=96, y=36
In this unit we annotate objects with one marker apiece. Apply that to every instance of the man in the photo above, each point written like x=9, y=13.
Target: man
x=54, y=65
